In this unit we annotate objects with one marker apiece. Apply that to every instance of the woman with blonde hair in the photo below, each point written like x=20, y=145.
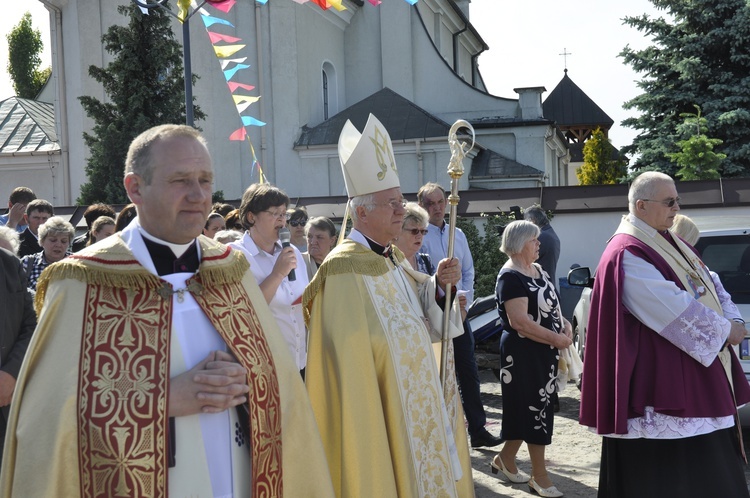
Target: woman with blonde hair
x=55, y=236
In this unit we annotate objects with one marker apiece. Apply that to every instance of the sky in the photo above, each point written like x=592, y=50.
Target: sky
x=525, y=38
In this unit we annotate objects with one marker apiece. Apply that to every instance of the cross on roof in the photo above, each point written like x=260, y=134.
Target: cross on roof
x=565, y=54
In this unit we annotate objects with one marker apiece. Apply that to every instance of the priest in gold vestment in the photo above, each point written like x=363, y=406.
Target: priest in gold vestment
x=372, y=376
x=157, y=369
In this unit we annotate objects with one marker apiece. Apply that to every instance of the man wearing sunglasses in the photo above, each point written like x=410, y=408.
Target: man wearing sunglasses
x=432, y=198
x=660, y=382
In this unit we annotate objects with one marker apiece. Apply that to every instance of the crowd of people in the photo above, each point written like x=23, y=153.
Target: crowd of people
x=196, y=349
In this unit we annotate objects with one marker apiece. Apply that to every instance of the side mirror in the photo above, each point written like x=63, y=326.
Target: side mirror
x=580, y=277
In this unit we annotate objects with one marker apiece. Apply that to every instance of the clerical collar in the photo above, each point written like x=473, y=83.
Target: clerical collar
x=363, y=239
x=177, y=249
x=384, y=251
x=163, y=255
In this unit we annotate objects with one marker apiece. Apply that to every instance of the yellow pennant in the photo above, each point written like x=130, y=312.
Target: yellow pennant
x=227, y=50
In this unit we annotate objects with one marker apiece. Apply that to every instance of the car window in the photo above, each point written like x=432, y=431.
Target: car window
x=729, y=257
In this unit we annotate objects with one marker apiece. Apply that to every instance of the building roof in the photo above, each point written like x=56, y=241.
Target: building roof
x=403, y=119
x=568, y=105
x=490, y=164
x=27, y=126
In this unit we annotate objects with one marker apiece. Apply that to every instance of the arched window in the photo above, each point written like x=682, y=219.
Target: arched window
x=330, y=93
x=325, y=95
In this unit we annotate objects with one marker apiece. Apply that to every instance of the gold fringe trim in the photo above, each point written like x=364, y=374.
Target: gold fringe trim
x=125, y=279
x=346, y=258
x=227, y=270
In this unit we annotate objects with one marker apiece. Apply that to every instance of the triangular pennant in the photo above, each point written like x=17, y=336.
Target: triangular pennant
x=239, y=134
x=251, y=121
x=244, y=102
x=301, y=1
x=211, y=20
x=322, y=4
x=226, y=62
x=375, y=2
x=227, y=50
x=223, y=5
x=217, y=37
x=337, y=5
x=230, y=72
x=183, y=6
x=234, y=86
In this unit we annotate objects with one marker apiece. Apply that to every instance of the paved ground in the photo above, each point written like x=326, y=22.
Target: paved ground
x=572, y=459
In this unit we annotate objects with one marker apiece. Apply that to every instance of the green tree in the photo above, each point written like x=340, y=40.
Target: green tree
x=699, y=56
x=144, y=84
x=24, y=46
x=697, y=159
x=602, y=164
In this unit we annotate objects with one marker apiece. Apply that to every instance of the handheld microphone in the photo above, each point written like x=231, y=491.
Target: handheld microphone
x=285, y=236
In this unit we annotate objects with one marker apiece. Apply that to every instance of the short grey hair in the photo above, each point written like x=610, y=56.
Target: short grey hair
x=366, y=201
x=536, y=215
x=11, y=237
x=516, y=234
x=227, y=236
x=56, y=226
x=138, y=160
x=416, y=214
x=644, y=187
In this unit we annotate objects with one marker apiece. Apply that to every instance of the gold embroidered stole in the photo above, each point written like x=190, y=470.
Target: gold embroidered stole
x=123, y=388
x=688, y=267
x=124, y=367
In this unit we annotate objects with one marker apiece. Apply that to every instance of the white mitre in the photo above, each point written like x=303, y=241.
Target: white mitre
x=367, y=158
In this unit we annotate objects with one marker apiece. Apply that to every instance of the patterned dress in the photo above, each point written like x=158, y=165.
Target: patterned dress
x=528, y=368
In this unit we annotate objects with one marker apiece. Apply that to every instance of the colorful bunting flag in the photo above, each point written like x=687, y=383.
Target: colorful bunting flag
x=217, y=37
x=230, y=72
x=211, y=20
x=183, y=6
x=223, y=5
x=225, y=63
x=227, y=50
x=251, y=121
x=238, y=134
x=234, y=86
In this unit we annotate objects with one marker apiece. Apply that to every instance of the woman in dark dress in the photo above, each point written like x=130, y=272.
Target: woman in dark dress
x=534, y=332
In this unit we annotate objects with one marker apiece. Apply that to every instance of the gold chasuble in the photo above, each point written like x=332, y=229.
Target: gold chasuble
x=89, y=414
x=373, y=382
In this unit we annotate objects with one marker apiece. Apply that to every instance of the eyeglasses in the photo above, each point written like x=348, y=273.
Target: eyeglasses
x=298, y=223
x=667, y=202
x=279, y=216
x=393, y=204
x=415, y=231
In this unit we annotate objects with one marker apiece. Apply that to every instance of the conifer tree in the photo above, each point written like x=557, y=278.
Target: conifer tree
x=602, y=164
x=24, y=46
x=699, y=56
x=144, y=86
